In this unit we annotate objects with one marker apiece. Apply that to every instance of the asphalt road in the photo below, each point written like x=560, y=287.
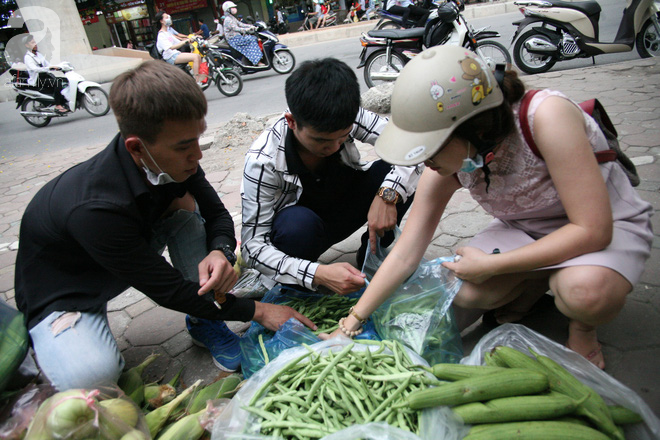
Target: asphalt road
x=262, y=93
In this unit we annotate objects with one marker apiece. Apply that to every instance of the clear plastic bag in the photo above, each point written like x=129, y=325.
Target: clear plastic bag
x=249, y=285
x=613, y=392
x=235, y=422
x=258, y=342
x=20, y=408
x=418, y=313
x=89, y=414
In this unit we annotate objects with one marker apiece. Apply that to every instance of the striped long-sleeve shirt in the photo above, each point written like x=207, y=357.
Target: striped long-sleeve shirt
x=268, y=187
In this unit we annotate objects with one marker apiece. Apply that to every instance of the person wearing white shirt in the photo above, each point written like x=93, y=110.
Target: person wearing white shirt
x=39, y=70
x=168, y=45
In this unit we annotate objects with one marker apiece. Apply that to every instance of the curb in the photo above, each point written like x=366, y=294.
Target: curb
x=305, y=38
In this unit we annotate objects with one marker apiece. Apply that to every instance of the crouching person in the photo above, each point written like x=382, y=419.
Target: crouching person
x=100, y=227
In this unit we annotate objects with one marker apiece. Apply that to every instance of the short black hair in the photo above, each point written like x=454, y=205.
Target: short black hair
x=323, y=94
x=200, y=20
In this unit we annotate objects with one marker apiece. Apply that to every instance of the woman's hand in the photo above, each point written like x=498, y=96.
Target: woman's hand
x=473, y=265
x=336, y=334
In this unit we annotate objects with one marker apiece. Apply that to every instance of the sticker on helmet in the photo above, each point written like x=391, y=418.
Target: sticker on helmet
x=436, y=90
x=415, y=152
x=440, y=107
x=473, y=71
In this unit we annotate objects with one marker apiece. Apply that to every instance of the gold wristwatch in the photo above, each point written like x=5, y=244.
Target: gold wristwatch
x=388, y=195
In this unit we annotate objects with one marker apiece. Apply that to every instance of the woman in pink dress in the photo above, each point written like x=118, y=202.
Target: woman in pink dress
x=563, y=222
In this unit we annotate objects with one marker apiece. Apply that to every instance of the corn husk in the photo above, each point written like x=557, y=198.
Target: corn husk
x=131, y=381
x=134, y=435
x=157, y=395
x=157, y=418
x=222, y=388
x=187, y=428
x=122, y=410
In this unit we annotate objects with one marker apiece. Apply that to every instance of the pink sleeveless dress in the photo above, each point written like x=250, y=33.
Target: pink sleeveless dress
x=526, y=206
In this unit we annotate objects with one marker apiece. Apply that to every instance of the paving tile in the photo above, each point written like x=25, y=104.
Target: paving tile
x=155, y=326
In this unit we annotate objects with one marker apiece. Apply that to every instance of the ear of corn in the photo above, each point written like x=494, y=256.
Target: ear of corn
x=187, y=428
x=131, y=381
x=505, y=383
x=518, y=408
x=222, y=388
x=543, y=430
x=157, y=395
x=157, y=418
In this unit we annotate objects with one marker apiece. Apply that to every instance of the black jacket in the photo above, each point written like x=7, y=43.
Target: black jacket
x=85, y=235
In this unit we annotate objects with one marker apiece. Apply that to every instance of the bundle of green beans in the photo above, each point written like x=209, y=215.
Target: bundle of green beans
x=325, y=311
x=317, y=394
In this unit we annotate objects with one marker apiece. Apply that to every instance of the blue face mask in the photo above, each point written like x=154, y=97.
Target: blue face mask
x=471, y=165
x=162, y=178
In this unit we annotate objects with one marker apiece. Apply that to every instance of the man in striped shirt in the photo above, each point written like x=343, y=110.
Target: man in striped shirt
x=305, y=186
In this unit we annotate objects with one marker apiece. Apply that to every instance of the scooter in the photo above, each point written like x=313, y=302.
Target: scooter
x=389, y=20
x=330, y=20
x=386, y=52
x=276, y=55
x=228, y=81
x=570, y=30
x=38, y=108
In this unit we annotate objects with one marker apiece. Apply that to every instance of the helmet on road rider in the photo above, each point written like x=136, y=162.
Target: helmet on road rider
x=226, y=6
x=436, y=92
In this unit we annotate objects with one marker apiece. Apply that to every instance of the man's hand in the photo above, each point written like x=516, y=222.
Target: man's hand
x=341, y=278
x=380, y=219
x=216, y=274
x=272, y=316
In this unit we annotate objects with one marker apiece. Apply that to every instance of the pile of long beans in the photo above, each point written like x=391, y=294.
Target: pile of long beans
x=325, y=311
x=317, y=394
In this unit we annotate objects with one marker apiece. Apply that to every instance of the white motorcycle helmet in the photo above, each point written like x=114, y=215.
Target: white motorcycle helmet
x=436, y=91
x=226, y=6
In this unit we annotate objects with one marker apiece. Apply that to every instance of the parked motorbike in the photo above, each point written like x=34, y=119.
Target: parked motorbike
x=38, y=108
x=354, y=15
x=389, y=20
x=228, y=81
x=278, y=28
x=276, y=55
x=330, y=20
x=386, y=52
x=570, y=30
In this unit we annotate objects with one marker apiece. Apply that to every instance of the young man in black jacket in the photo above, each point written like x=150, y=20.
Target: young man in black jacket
x=101, y=226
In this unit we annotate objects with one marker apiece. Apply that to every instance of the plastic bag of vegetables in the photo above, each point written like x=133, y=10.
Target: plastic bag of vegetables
x=613, y=392
x=418, y=313
x=88, y=414
x=260, y=346
x=285, y=395
x=13, y=342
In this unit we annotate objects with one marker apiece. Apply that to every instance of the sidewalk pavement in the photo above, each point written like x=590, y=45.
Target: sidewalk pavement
x=631, y=342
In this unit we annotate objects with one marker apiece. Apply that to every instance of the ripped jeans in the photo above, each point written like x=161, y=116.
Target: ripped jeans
x=77, y=349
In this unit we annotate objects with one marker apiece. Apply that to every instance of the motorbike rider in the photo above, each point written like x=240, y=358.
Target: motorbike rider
x=408, y=10
x=168, y=45
x=39, y=70
x=235, y=31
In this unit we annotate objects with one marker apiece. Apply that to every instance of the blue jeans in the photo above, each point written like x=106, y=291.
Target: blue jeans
x=77, y=349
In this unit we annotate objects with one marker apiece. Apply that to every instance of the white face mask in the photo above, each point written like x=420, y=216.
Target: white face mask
x=471, y=165
x=162, y=178
x=168, y=21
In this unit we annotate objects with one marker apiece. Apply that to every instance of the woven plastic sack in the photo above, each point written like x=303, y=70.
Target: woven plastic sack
x=236, y=423
x=259, y=342
x=613, y=392
x=418, y=314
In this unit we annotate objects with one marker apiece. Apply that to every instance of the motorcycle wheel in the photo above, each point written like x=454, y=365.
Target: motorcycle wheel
x=648, y=41
x=283, y=61
x=493, y=53
x=231, y=85
x=388, y=24
x=530, y=62
x=95, y=101
x=31, y=105
x=377, y=63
